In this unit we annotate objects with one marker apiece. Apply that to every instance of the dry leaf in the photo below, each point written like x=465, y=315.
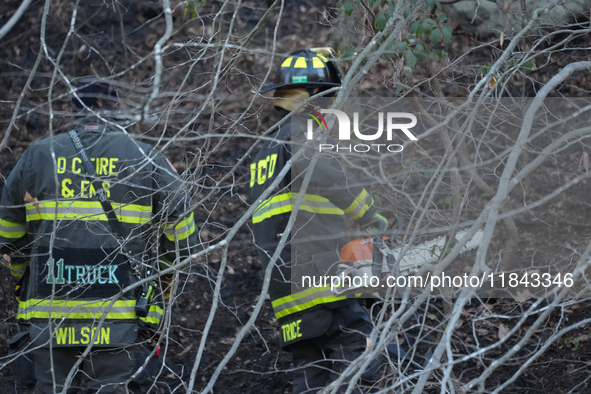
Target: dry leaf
x=502, y=39
x=484, y=310
x=186, y=350
x=502, y=331
x=5, y=258
x=492, y=82
x=586, y=161
x=522, y=296
x=481, y=332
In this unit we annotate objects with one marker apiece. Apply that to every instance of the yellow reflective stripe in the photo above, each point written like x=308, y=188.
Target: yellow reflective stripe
x=298, y=296
x=87, y=210
x=67, y=309
x=317, y=63
x=164, y=263
x=12, y=230
x=293, y=196
x=359, y=206
x=154, y=315
x=183, y=230
x=57, y=303
x=287, y=62
x=283, y=203
x=27, y=315
x=273, y=206
x=274, y=199
x=300, y=63
x=303, y=300
x=270, y=213
x=18, y=270
x=322, y=57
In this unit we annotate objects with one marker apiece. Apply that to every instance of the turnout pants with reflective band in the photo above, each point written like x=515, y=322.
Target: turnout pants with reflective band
x=321, y=360
x=107, y=370
x=21, y=362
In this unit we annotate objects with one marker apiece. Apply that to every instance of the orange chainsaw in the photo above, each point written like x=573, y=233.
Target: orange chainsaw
x=371, y=259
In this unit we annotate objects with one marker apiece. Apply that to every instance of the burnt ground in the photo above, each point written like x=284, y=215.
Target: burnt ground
x=552, y=232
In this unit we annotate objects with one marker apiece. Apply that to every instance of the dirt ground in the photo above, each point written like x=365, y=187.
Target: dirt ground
x=259, y=365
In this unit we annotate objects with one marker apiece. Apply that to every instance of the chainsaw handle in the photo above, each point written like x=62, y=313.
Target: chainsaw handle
x=379, y=259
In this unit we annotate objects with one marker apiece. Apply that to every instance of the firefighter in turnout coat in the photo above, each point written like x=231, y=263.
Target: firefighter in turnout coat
x=322, y=331
x=73, y=267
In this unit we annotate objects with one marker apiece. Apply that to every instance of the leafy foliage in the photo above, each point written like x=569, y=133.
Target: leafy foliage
x=428, y=32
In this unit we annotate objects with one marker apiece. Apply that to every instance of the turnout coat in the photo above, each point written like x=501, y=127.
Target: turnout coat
x=73, y=268
x=333, y=198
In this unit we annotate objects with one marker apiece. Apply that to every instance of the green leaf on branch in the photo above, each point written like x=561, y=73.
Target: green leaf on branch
x=429, y=24
x=347, y=52
x=406, y=12
x=390, y=51
x=447, y=33
x=529, y=66
x=435, y=36
x=377, y=3
x=442, y=18
x=448, y=201
x=411, y=60
x=420, y=31
x=380, y=22
x=419, y=52
x=348, y=7
x=401, y=46
x=415, y=25
x=399, y=89
x=482, y=71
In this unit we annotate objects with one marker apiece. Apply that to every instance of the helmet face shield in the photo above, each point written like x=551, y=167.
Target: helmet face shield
x=306, y=69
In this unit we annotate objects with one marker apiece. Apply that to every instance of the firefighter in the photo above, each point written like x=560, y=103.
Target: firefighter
x=76, y=218
x=324, y=332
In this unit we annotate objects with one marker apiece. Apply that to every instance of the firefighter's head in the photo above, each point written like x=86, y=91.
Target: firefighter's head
x=95, y=95
x=302, y=74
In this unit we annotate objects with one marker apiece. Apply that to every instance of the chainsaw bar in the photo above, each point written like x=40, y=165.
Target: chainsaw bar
x=429, y=252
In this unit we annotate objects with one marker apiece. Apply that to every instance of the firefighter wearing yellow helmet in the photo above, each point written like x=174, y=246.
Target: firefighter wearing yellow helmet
x=324, y=332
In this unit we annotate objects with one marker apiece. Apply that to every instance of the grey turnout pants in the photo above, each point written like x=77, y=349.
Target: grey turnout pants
x=104, y=370
x=321, y=360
